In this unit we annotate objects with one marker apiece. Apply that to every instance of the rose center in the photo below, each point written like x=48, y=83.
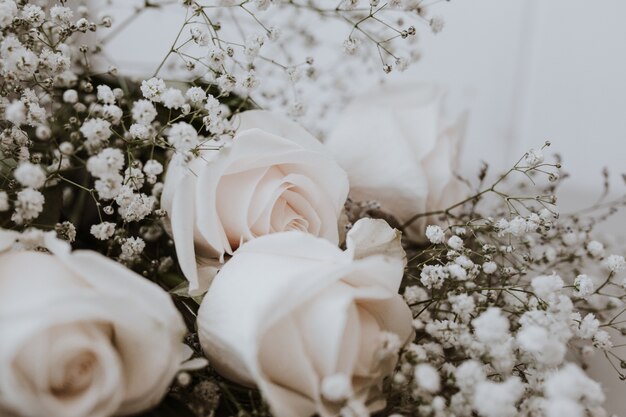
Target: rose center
x=77, y=375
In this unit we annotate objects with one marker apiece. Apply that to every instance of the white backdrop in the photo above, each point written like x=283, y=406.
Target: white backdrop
x=527, y=71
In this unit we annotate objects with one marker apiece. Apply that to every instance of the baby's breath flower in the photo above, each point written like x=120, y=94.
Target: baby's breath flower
x=435, y=234
x=455, y=243
x=103, y=231
x=172, y=98
x=195, y=95
x=30, y=175
x=97, y=131
x=427, y=378
x=182, y=136
x=153, y=88
x=546, y=285
x=143, y=112
x=132, y=248
x=336, y=388
x=28, y=205
x=107, y=162
x=70, y=96
x=595, y=249
x=533, y=158
x=584, y=286
x=105, y=94
x=615, y=263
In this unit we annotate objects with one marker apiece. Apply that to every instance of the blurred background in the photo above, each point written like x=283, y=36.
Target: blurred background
x=526, y=71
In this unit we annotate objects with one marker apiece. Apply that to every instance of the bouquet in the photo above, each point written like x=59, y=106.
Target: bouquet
x=255, y=236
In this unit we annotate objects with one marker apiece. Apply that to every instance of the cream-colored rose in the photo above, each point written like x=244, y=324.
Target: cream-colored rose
x=374, y=237
x=396, y=150
x=275, y=177
x=308, y=324
x=80, y=335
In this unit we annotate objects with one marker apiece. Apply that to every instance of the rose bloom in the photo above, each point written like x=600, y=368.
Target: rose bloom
x=80, y=335
x=310, y=325
x=396, y=151
x=275, y=177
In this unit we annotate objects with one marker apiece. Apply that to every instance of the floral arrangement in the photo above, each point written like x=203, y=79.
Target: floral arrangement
x=187, y=248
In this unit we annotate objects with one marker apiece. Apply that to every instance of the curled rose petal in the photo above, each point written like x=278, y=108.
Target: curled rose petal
x=289, y=310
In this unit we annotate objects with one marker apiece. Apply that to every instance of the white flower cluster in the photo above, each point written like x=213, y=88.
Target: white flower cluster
x=499, y=303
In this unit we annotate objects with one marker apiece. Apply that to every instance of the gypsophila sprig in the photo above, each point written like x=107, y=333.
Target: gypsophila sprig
x=498, y=306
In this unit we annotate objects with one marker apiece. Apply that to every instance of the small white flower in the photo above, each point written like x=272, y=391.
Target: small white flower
x=105, y=94
x=61, y=15
x=413, y=294
x=139, y=131
x=584, y=286
x=143, y=112
x=28, y=205
x=70, y=96
x=109, y=161
x=457, y=272
x=132, y=248
x=432, y=276
x=491, y=326
x=226, y=83
x=493, y=399
x=112, y=113
x=533, y=158
x=16, y=113
x=109, y=187
x=572, y=383
x=336, y=388
x=615, y=263
x=546, y=285
x=435, y=234
x=350, y=46
x=97, y=132
x=195, y=95
x=30, y=175
x=153, y=167
x=153, y=88
x=200, y=36
x=182, y=136
x=490, y=267
x=602, y=340
x=595, y=249
x=172, y=98
x=518, y=226
x=463, y=305
x=216, y=57
x=468, y=375
x=427, y=378
x=33, y=14
x=252, y=46
x=587, y=327
x=455, y=243
x=134, y=178
x=103, y=231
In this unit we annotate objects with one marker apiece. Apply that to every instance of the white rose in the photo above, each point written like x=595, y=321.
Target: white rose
x=275, y=177
x=81, y=336
x=374, y=237
x=305, y=322
x=392, y=145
